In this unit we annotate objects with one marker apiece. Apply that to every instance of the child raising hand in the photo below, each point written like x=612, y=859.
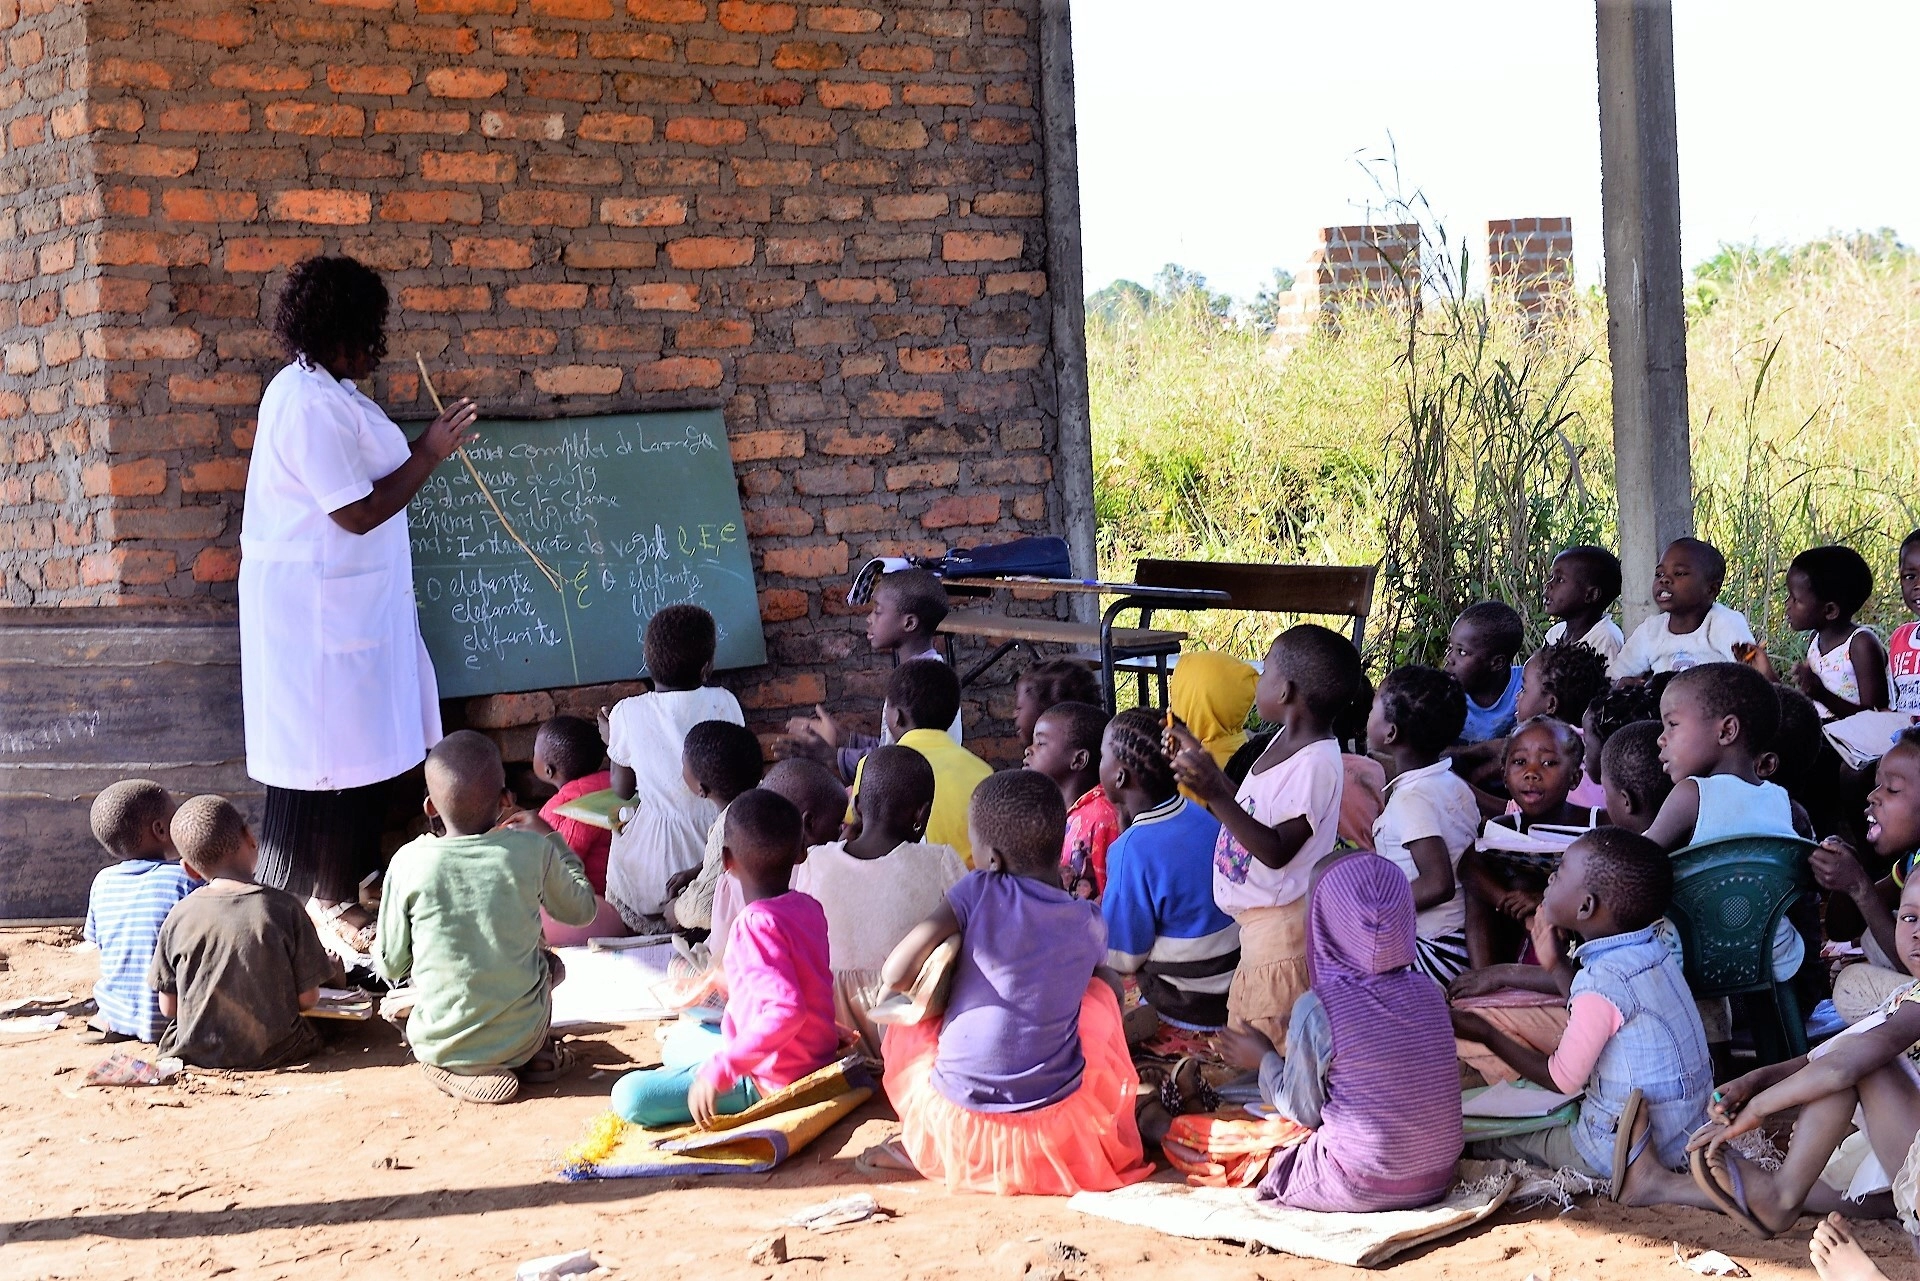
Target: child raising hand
x=1278, y=823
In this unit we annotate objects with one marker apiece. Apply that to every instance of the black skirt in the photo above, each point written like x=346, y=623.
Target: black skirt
x=322, y=844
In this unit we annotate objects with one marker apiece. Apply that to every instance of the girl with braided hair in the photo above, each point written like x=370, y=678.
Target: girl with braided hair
x=1162, y=923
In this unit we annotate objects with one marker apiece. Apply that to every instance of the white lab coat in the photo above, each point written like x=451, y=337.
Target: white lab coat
x=338, y=690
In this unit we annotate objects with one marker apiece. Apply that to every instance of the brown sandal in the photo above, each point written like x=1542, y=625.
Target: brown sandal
x=497, y=1085
x=560, y=1061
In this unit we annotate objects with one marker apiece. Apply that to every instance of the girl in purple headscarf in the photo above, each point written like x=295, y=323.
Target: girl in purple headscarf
x=1371, y=1055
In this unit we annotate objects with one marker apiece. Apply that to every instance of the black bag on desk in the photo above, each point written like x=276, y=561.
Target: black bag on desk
x=1044, y=557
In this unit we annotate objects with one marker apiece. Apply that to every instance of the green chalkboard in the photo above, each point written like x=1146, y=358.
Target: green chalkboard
x=633, y=512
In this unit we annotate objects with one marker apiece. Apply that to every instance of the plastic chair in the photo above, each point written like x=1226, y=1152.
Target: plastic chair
x=1729, y=896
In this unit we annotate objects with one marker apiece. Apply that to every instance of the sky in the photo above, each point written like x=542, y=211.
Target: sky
x=1225, y=138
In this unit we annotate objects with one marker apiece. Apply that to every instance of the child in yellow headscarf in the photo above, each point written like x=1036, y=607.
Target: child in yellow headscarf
x=1212, y=695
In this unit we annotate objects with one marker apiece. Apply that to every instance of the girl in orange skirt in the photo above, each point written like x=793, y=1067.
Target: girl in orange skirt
x=1025, y=1085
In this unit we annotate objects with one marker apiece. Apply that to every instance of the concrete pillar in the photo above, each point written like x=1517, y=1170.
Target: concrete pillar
x=1066, y=287
x=1646, y=317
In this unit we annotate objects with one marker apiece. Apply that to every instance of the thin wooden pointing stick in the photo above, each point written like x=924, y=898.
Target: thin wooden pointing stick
x=552, y=576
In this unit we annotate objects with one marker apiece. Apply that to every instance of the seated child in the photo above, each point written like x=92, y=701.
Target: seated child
x=1636, y=785
x=921, y=698
x=1066, y=748
x=907, y=606
x=1608, y=712
x=821, y=798
x=877, y=886
x=1581, y=589
x=1903, y=647
x=1561, y=680
x=1632, y=777
x=1862, y=907
x=567, y=755
x=1372, y=1067
x=1718, y=717
x=719, y=761
x=128, y=902
x=460, y=914
x=236, y=962
x=1693, y=627
x=1868, y=1070
x=1543, y=759
x=1024, y=1085
x=1802, y=760
x=1633, y=1042
x=1211, y=694
x=1162, y=922
x=667, y=831
x=1058, y=680
x=815, y=792
x=1363, y=784
x=1480, y=651
x=779, y=1021
x=1431, y=817
x=1845, y=670
x=1278, y=823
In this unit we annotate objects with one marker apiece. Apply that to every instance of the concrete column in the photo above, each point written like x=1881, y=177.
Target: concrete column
x=1646, y=317
x=1066, y=287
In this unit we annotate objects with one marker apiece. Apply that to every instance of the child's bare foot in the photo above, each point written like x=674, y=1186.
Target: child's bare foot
x=348, y=925
x=1837, y=1256
x=1743, y=1191
x=1153, y=1121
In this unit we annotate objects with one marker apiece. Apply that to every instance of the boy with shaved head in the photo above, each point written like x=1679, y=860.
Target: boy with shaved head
x=236, y=962
x=129, y=901
x=461, y=915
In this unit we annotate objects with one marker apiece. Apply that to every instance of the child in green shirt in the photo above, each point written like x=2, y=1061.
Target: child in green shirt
x=460, y=914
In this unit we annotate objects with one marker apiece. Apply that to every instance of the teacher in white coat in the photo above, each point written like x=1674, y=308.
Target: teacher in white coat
x=339, y=693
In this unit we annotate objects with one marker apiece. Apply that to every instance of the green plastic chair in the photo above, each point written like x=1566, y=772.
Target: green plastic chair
x=1729, y=896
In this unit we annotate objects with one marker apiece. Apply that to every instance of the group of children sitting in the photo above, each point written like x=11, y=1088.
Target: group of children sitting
x=1310, y=898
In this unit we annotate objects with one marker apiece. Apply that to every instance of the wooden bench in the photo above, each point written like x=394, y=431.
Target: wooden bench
x=1110, y=643
x=985, y=625
x=1344, y=591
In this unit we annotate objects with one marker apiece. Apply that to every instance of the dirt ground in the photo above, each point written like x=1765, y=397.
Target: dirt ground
x=354, y=1165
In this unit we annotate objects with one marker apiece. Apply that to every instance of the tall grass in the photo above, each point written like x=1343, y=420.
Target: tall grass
x=1458, y=446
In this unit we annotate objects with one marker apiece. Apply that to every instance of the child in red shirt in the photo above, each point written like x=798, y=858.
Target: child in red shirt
x=568, y=754
x=1066, y=748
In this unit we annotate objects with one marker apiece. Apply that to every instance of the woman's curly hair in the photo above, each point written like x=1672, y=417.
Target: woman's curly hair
x=331, y=308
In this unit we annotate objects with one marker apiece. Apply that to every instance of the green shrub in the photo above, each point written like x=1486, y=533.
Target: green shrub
x=1461, y=445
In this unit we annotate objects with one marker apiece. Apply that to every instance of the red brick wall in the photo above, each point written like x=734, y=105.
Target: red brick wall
x=824, y=219
x=1530, y=258
x=52, y=477
x=1354, y=266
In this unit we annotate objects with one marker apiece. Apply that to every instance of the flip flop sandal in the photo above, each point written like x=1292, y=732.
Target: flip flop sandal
x=498, y=1086
x=1731, y=1202
x=563, y=1062
x=1194, y=1096
x=871, y=1164
x=1623, y=1152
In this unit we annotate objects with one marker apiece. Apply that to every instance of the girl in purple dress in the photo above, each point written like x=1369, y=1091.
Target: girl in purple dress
x=1388, y=1134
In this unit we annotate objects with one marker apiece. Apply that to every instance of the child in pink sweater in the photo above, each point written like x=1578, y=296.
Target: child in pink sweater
x=779, y=1021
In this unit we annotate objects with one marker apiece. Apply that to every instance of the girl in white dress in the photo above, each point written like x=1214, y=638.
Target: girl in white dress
x=667, y=831
x=1846, y=665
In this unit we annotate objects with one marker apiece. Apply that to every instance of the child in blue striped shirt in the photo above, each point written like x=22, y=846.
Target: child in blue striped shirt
x=128, y=903
x=1162, y=922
